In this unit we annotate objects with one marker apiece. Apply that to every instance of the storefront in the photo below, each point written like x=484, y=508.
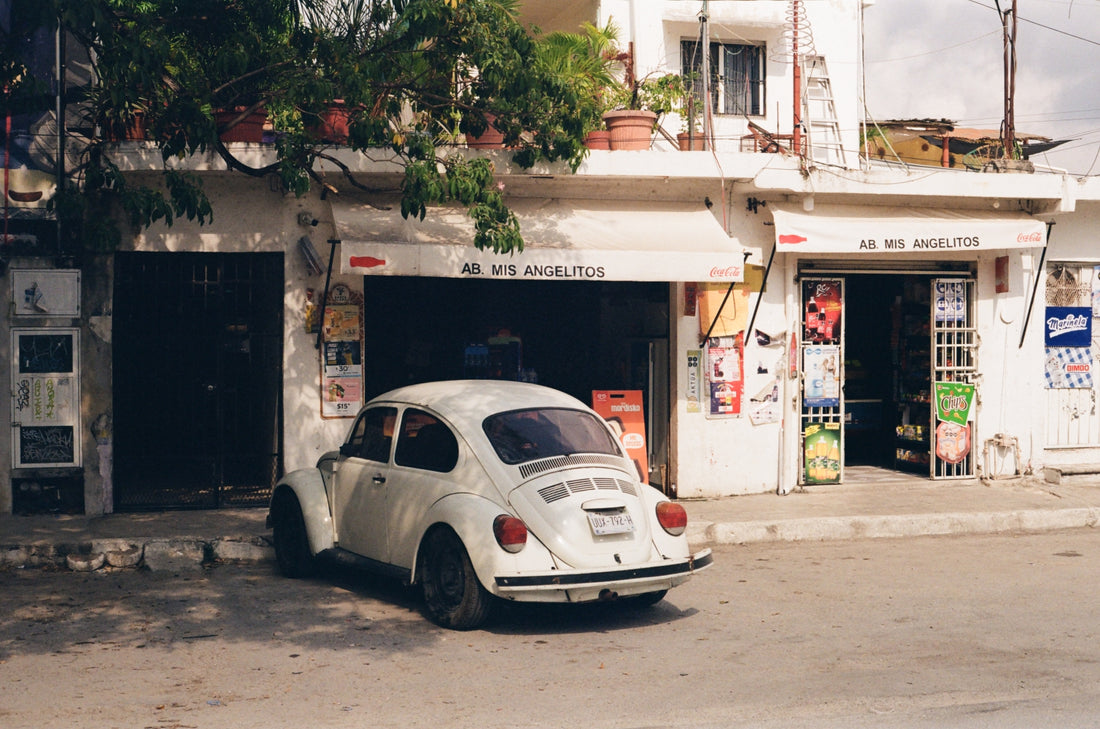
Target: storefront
x=585, y=307
x=897, y=313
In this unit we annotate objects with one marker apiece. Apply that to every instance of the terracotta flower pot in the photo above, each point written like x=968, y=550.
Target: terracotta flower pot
x=134, y=130
x=332, y=126
x=491, y=138
x=687, y=144
x=598, y=139
x=250, y=129
x=630, y=128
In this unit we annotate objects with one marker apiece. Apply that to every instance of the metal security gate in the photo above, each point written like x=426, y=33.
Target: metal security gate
x=821, y=362
x=954, y=360
x=197, y=379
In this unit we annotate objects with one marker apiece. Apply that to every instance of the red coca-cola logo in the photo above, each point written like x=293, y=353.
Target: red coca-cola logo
x=1035, y=237
x=727, y=272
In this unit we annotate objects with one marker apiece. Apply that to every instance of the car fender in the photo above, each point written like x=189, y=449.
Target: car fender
x=309, y=486
x=471, y=517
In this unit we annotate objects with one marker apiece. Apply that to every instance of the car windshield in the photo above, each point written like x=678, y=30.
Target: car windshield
x=527, y=435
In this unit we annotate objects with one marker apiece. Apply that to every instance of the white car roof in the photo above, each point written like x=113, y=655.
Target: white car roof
x=466, y=403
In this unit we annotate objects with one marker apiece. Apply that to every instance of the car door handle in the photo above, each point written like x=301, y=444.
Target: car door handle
x=379, y=479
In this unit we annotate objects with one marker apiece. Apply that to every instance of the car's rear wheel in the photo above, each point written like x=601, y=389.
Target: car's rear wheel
x=289, y=535
x=647, y=599
x=453, y=596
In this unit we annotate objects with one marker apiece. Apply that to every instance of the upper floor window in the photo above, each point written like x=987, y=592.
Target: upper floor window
x=736, y=76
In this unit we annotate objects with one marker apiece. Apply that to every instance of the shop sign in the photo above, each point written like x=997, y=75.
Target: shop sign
x=952, y=442
x=540, y=264
x=896, y=231
x=1068, y=368
x=623, y=411
x=953, y=401
x=822, y=444
x=1068, y=326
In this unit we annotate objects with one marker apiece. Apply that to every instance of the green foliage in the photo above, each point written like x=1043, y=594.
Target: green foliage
x=412, y=73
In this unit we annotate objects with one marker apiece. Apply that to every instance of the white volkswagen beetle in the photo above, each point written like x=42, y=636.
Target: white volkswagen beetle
x=484, y=490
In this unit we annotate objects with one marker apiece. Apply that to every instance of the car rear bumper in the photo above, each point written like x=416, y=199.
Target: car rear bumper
x=581, y=585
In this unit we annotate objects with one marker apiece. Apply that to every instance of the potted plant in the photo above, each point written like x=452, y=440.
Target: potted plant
x=690, y=109
x=639, y=105
x=586, y=63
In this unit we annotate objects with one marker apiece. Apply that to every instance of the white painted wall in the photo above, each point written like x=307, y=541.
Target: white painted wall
x=657, y=27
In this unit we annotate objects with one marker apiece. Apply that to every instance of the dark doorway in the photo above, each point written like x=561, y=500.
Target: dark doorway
x=870, y=353
x=197, y=379
x=574, y=336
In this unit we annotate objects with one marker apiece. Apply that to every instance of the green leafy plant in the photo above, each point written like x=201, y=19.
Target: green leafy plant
x=412, y=74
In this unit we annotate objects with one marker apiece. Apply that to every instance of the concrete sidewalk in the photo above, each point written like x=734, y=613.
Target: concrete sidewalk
x=872, y=508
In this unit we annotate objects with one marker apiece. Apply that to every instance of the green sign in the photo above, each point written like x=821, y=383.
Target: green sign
x=953, y=400
x=822, y=443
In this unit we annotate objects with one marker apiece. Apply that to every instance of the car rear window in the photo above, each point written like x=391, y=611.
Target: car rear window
x=519, y=436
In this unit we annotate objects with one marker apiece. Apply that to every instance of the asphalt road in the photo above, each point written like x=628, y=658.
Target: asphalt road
x=993, y=631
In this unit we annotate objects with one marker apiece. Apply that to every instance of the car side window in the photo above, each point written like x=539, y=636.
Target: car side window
x=372, y=435
x=426, y=442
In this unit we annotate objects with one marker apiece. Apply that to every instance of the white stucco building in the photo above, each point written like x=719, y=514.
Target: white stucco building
x=835, y=295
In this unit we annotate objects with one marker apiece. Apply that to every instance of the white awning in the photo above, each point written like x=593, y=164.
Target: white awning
x=577, y=240
x=866, y=229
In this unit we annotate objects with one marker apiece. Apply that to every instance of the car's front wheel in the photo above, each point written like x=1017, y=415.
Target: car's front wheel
x=289, y=535
x=453, y=596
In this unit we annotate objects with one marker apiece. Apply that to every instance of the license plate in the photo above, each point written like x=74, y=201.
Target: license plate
x=610, y=522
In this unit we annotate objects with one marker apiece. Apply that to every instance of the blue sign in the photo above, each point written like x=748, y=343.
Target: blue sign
x=1068, y=326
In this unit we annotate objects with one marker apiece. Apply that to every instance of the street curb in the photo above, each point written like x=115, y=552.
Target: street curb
x=153, y=553
x=885, y=527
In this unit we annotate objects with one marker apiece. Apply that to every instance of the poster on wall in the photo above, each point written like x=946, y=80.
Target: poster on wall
x=1068, y=368
x=725, y=368
x=1096, y=292
x=693, y=397
x=1068, y=326
x=45, y=292
x=953, y=401
x=45, y=397
x=821, y=367
x=952, y=442
x=341, y=355
x=950, y=301
x=623, y=411
x=822, y=314
x=822, y=459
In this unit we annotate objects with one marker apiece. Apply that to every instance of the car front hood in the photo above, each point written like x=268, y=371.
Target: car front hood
x=556, y=508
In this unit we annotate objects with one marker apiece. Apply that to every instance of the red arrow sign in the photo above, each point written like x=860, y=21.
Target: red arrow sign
x=366, y=262
x=785, y=239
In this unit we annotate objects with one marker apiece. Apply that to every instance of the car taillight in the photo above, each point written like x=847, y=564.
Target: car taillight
x=511, y=533
x=672, y=518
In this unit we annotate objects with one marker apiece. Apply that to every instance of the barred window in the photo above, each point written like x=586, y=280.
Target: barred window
x=736, y=75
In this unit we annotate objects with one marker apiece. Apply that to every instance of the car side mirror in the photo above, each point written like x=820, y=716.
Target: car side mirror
x=347, y=450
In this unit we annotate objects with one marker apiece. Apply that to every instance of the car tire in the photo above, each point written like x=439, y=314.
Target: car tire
x=453, y=596
x=647, y=599
x=292, y=552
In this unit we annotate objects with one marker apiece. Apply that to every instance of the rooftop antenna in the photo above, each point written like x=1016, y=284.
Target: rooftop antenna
x=796, y=41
